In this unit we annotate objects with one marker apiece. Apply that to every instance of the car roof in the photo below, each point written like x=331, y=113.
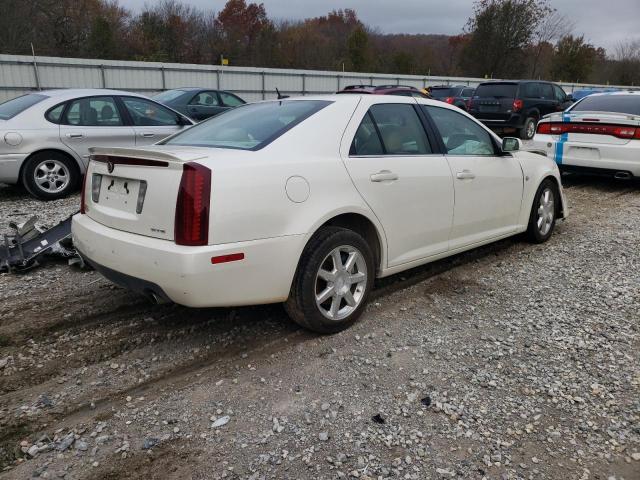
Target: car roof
x=376, y=88
x=619, y=92
x=67, y=93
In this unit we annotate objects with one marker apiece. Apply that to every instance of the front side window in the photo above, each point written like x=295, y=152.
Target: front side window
x=460, y=135
x=230, y=100
x=13, y=107
x=205, y=99
x=547, y=91
x=559, y=93
x=401, y=130
x=145, y=113
x=249, y=127
x=93, y=112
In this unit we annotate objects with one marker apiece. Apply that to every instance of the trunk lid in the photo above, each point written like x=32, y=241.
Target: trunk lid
x=494, y=101
x=135, y=189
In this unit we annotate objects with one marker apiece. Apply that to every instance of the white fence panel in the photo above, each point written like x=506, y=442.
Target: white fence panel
x=19, y=74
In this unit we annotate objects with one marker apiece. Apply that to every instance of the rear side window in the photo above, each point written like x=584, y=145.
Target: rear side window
x=206, y=99
x=55, y=114
x=249, y=127
x=468, y=92
x=231, y=100
x=93, y=112
x=366, y=140
x=530, y=90
x=168, y=95
x=460, y=135
x=629, y=104
x=145, y=113
x=401, y=130
x=497, y=90
x=13, y=107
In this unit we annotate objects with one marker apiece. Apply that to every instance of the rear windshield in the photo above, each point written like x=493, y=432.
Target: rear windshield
x=249, y=127
x=444, y=92
x=11, y=108
x=168, y=95
x=629, y=104
x=497, y=90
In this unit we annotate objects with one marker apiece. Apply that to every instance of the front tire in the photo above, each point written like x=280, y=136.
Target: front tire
x=333, y=281
x=542, y=219
x=50, y=175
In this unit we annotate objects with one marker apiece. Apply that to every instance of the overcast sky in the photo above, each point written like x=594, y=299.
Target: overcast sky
x=603, y=23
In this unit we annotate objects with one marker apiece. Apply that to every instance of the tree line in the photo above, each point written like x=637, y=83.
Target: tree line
x=501, y=39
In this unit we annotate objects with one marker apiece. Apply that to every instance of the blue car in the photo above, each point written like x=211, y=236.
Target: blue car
x=579, y=94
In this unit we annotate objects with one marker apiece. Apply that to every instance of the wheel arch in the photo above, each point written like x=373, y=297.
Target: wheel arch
x=560, y=206
x=77, y=162
x=360, y=223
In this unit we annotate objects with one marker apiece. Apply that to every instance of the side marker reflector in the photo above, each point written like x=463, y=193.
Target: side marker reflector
x=232, y=257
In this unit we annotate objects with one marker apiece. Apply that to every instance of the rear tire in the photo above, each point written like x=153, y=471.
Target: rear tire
x=529, y=129
x=332, y=283
x=50, y=175
x=542, y=219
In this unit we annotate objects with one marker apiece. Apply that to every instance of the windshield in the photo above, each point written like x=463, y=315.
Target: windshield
x=497, y=90
x=249, y=127
x=168, y=95
x=444, y=92
x=11, y=108
x=629, y=104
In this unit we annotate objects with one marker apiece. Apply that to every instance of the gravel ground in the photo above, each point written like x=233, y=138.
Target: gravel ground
x=512, y=361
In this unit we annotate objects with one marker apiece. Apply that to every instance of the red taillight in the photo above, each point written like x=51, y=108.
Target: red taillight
x=192, y=206
x=619, y=131
x=517, y=105
x=449, y=100
x=544, y=128
x=83, y=200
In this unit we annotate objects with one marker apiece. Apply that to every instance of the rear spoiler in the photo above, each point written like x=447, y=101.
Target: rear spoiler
x=146, y=153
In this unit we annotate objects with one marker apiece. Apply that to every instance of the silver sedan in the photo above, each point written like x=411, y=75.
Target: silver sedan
x=45, y=136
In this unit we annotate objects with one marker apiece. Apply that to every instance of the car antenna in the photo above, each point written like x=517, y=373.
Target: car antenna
x=280, y=96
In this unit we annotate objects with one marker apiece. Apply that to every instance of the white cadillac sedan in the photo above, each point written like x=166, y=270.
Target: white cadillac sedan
x=45, y=136
x=598, y=134
x=306, y=201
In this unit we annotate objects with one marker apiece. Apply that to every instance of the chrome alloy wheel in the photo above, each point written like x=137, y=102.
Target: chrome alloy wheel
x=546, y=211
x=51, y=176
x=341, y=282
x=531, y=129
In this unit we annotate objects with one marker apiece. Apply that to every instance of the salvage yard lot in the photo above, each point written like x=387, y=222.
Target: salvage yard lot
x=510, y=361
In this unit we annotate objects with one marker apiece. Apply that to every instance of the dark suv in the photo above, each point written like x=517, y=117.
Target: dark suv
x=402, y=90
x=517, y=106
x=457, y=95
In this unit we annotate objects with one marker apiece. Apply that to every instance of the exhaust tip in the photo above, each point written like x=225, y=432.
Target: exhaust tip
x=622, y=175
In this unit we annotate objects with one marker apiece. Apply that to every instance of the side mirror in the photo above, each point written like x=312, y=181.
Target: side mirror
x=511, y=144
x=570, y=98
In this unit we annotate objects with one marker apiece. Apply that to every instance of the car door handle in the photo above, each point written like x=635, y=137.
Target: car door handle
x=384, y=176
x=75, y=135
x=465, y=175
x=146, y=134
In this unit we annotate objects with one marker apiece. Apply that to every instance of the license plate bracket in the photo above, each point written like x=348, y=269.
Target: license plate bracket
x=119, y=193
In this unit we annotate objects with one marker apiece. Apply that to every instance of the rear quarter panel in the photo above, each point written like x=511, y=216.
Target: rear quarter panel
x=249, y=198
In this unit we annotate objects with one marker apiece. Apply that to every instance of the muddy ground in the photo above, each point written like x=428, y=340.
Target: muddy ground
x=510, y=361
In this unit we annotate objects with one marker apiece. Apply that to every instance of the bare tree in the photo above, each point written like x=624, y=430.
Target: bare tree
x=627, y=68
x=554, y=27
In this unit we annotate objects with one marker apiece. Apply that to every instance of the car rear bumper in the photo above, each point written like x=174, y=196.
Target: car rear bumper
x=608, y=158
x=512, y=121
x=10, y=167
x=186, y=275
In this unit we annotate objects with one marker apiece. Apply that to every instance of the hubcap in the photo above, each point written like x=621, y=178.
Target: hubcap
x=341, y=282
x=531, y=129
x=51, y=176
x=546, y=211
